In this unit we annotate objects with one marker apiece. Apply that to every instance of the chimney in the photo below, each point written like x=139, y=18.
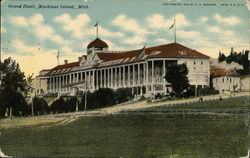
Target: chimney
x=79, y=59
x=65, y=61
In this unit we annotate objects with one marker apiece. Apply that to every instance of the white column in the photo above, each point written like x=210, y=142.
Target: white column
x=57, y=80
x=93, y=79
x=111, y=71
x=163, y=75
x=89, y=79
x=115, y=77
x=124, y=78
x=101, y=76
x=120, y=77
x=109, y=80
x=152, y=71
x=97, y=78
x=59, y=84
x=147, y=73
x=153, y=75
x=144, y=73
x=138, y=78
x=80, y=80
x=129, y=76
x=54, y=84
x=50, y=84
x=104, y=84
x=133, y=76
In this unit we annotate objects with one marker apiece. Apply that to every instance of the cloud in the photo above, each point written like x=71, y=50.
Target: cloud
x=129, y=25
x=162, y=41
x=232, y=20
x=3, y=29
x=38, y=58
x=39, y=28
x=203, y=19
x=135, y=40
x=188, y=34
x=114, y=47
x=19, y=21
x=36, y=19
x=22, y=48
x=107, y=33
x=75, y=26
x=216, y=29
x=158, y=21
x=68, y=51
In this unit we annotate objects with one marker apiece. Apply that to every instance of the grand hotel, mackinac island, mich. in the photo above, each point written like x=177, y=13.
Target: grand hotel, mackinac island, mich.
x=142, y=70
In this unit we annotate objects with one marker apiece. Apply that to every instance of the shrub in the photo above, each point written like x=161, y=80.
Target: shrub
x=40, y=106
x=57, y=106
x=123, y=95
x=207, y=91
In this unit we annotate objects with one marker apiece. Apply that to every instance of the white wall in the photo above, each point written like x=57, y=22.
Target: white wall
x=245, y=83
x=199, y=70
x=226, y=84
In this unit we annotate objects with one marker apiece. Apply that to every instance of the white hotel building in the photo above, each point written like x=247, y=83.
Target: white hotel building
x=143, y=70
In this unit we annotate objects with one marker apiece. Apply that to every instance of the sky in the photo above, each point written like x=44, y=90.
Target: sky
x=33, y=36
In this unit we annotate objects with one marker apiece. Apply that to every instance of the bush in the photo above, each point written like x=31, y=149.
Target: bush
x=100, y=98
x=158, y=96
x=123, y=95
x=190, y=92
x=40, y=106
x=57, y=106
x=17, y=104
x=64, y=105
x=70, y=104
x=207, y=91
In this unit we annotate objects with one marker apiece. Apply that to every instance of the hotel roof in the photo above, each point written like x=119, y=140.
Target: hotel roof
x=97, y=43
x=172, y=50
x=219, y=72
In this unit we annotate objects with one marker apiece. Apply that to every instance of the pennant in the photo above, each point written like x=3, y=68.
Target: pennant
x=172, y=25
x=96, y=24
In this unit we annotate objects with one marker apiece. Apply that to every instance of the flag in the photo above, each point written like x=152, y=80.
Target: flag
x=172, y=25
x=142, y=52
x=96, y=24
x=57, y=54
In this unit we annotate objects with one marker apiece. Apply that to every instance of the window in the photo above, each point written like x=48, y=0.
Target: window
x=201, y=62
x=194, y=63
x=222, y=79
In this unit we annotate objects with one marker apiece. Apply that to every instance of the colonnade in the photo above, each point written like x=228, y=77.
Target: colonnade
x=133, y=75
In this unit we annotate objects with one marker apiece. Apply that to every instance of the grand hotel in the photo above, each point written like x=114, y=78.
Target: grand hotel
x=142, y=70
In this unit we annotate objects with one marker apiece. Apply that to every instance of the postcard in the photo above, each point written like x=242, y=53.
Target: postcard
x=123, y=78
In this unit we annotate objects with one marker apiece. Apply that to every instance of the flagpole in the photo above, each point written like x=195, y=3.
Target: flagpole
x=97, y=29
x=58, y=57
x=175, y=31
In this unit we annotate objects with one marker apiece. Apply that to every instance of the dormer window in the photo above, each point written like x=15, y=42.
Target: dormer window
x=155, y=52
x=182, y=52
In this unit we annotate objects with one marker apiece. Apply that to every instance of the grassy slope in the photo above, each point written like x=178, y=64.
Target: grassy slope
x=131, y=136
x=230, y=103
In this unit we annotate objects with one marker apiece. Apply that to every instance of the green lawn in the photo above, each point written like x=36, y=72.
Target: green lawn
x=128, y=135
x=230, y=103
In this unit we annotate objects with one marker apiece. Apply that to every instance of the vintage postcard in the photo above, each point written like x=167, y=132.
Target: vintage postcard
x=125, y=78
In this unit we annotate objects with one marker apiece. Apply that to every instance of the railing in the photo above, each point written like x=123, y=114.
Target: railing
x=194, y=112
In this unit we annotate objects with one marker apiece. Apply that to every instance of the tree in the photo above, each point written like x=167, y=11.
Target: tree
x=176, y=75
x=40, y=106
x=14, y=88
x=123, y=95
x=221, y=57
